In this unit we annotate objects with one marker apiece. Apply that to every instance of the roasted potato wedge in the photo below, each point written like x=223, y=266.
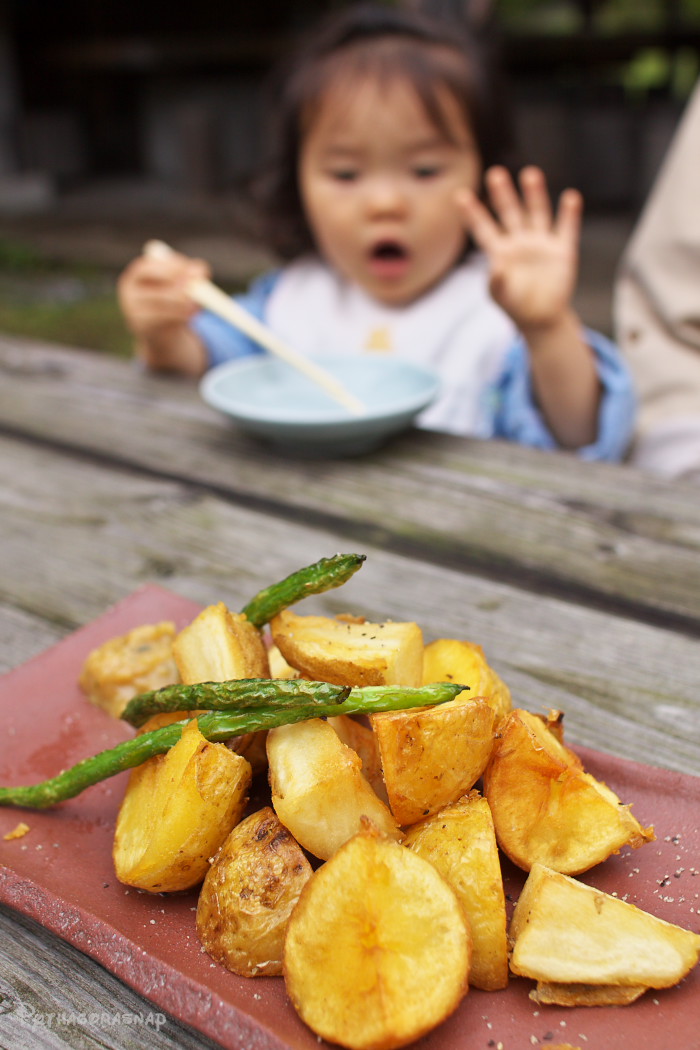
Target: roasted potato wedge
x=361, y=739
x=133, y=663
x=564, y=931
x=460, y=842
x=453, y=660
x=177, y=810
x=318, y=790
x=378, y=947
x=546, y=808
x=219, y=646
x=431, y=756
x=346, y=652
x=279, y=668
x=248, y=895
x=551, y=994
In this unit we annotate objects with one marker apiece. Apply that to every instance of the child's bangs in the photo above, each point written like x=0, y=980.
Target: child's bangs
x=430, y=69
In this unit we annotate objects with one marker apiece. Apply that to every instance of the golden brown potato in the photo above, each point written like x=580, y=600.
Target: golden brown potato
x=318, y=790
x=248, y=895
x=431, y=756
x=344, y=652
x=279, y=668
x=550, y=994
x=219, y=646
x=451, y=660
x=460, y=842
x=361, y=739
x=378, y=947
x=563, y=931
x=133, y=663
x=250, y=745
x=177, y=810
x=546, y=808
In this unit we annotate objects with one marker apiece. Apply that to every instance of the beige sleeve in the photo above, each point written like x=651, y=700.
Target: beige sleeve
x=657, y=307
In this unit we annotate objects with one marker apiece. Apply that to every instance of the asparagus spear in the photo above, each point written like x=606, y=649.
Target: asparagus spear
x=218, y=726
x=239, y=694
x=322, y=576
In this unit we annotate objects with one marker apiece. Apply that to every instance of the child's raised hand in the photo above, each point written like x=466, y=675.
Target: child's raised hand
x=153, y=295
x=533, y=255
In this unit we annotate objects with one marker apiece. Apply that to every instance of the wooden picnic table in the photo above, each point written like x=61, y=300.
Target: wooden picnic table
x=581, y=581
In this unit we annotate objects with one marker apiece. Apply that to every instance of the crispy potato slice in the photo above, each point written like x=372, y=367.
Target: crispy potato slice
x=565, y=931
x=279, y=668
x=345, y=652
x=546, y=808
x=248, y=895
x=165, y=718
x=133, y=663
x=460, y=842
x=177, y=810
x=378, y=947
x=431, y=756
x=452, y=660
x=361, y=739
x=318, y=790
x=250, y=745
x=219, y=646
x=548, y=993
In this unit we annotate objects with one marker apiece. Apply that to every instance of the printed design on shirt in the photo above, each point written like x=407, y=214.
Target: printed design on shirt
x=379, y=341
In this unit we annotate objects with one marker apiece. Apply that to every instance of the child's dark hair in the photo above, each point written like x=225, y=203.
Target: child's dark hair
x=384, y=41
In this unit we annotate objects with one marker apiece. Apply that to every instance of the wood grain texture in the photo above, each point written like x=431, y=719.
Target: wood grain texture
x=602, y=534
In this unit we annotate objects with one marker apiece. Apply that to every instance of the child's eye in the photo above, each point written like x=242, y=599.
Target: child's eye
x=426, y=171
x=344, y=174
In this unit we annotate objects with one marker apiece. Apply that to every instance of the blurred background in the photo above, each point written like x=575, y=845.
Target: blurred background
x=121, y=122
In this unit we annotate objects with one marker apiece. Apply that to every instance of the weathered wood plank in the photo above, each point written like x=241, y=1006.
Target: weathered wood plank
x=23, y=636
x=603, y=534
x=77, y=537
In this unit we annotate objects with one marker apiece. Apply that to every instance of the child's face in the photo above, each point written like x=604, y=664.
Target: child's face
x=378, y=181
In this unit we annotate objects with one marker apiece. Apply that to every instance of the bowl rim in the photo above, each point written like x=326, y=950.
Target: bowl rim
x=334, y=414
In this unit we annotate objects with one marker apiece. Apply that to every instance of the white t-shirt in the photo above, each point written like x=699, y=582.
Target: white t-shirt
x=456, y=328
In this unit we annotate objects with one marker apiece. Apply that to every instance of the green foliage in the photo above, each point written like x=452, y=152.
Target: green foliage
x=74, y=304
x=93, y=324
x=565, y=17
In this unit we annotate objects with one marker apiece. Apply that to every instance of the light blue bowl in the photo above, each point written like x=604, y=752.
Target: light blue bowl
x=270, y=399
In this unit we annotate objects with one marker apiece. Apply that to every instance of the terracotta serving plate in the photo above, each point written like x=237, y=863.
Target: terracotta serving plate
x=61, y=875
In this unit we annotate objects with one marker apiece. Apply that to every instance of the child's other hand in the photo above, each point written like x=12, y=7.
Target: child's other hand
x=153, y=295
x=533, y=255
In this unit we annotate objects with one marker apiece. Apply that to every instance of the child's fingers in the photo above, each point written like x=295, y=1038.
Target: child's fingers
x=569, y=212
x=477, y=219
x=536, y=197
x=150, y=297
x=171, y=267
x=504, y=199
x=198, y=269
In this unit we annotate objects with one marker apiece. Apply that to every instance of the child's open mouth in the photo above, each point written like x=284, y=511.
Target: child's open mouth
x=389, y=259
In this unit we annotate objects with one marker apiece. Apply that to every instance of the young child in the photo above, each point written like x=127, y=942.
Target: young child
x=386, y=132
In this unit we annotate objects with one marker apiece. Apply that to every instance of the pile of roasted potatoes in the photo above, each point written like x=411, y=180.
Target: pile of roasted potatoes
x=372, y=879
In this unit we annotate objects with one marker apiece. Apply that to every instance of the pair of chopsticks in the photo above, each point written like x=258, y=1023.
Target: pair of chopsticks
x=206, y=294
